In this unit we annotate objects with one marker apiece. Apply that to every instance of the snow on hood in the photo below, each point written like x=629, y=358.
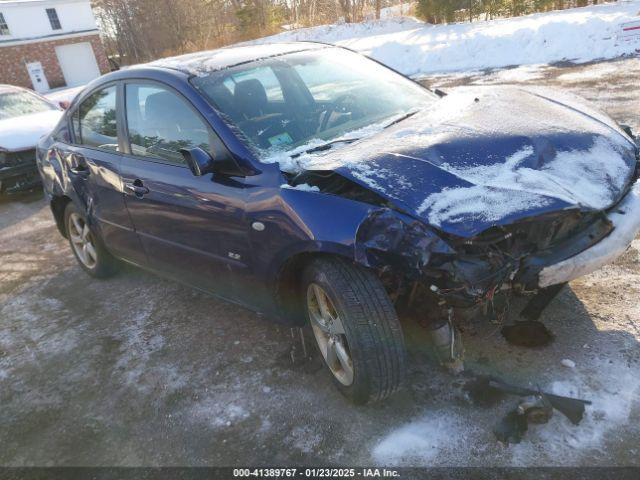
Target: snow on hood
x=20, y=133
x=489, y=156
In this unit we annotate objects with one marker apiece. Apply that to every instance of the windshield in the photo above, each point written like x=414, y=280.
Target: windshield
x=16, y=104
x=309, y=97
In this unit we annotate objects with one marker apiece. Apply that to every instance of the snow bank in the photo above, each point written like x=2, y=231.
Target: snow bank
x=412, y=47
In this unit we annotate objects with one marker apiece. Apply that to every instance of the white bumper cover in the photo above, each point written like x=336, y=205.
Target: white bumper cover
x=626, y=221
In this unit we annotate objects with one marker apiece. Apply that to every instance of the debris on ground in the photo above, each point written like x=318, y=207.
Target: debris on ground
x=535, y=406
x=447, y=344
x=527, y=333
x=536, y=305
x=572, y=408
x=568, y=363
x=511, y=428
x=481, y=393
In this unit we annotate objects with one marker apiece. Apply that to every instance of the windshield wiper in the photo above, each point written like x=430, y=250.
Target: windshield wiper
x=400, y=119
x=325, y=146
x=328, y=145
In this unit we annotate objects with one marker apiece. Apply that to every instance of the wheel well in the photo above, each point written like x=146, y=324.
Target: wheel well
x=289, y=284
x=58, y=206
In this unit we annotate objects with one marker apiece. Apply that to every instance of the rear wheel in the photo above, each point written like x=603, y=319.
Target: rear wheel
x=92, y=256
x=356, y=329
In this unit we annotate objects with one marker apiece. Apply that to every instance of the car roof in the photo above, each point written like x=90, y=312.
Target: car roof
x=4, y=88
x=202, y=63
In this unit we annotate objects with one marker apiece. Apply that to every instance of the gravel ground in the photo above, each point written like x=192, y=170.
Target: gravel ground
x=137, y=370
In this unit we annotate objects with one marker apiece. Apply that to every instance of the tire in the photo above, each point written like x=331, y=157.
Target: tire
x=372, y=337
x=98, y=262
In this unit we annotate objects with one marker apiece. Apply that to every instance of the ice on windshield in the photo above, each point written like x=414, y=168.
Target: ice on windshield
x=16, y=104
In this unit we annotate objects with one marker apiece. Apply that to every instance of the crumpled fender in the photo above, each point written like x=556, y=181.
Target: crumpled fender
x=388, y=238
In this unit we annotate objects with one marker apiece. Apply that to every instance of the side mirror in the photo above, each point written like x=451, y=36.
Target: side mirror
x=201, y=162
x=198, y=160
x=64, y=104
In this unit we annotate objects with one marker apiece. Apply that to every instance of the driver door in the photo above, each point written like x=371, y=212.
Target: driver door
x=192, y=228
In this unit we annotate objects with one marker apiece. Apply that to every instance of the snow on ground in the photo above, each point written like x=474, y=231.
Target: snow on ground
x=525, y=73
x=596, y=73
x=400, y=10
x=413, y=48
x=442, y=437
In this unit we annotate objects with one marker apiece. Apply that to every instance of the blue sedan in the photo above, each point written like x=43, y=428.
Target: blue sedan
x=321, y=188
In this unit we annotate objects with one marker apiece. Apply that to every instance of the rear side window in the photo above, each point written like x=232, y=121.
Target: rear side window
x=94, y=123
x=160, y=122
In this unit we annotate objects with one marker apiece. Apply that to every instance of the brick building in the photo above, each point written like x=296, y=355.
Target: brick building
x=47, y=44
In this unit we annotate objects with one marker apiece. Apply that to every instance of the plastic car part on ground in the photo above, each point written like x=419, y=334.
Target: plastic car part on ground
x=535, y=406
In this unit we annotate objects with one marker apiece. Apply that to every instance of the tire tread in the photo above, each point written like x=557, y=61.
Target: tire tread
x=372, y=317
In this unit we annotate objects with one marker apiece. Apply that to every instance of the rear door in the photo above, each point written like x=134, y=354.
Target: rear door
x=192, y=228
x=93, y=165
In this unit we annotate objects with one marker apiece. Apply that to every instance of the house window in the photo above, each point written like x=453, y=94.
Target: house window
x=4, y=28
x=53, y=19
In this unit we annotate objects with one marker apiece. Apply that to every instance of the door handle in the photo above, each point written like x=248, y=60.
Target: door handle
x=136, y=188
x=84, y=171
x=79, y=165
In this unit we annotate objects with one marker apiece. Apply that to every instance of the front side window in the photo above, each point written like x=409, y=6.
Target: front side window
x=94, y=123
x=284, y=102
x=53, y=19
x=16, y=104
x=160, y=122
x=4, y=28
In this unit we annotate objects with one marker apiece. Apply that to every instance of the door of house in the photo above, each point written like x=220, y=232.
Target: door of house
x=78, y=63
x=38, y=78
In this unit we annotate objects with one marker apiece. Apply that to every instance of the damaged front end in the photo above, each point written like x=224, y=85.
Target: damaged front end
x=433, y=271
x=438, y=274
x=18, y=172
x=466, y=274
x=437, y=278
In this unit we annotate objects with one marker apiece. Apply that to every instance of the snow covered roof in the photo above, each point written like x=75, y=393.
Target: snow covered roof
x=201, y=63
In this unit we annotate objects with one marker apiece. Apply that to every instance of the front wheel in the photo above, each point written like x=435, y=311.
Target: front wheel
x=92, y=256
x=356, y=329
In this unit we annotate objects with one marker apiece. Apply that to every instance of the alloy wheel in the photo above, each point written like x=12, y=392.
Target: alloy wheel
x=82, y=241
x=330, y=334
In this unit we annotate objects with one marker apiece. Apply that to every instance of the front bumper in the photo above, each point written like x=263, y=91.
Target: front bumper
x=625, y=218
x=19, y=179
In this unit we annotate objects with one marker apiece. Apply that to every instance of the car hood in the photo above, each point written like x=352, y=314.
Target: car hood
x=489, y=156
x=21, y=133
